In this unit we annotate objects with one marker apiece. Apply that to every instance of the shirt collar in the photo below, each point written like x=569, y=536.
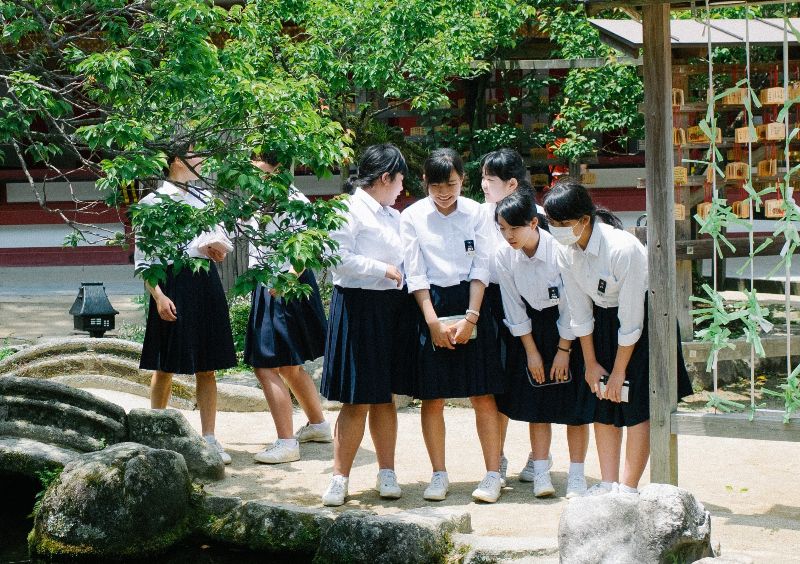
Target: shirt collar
x=436, y=210
x=593, y=246
x=373, y=204
x=543, y=250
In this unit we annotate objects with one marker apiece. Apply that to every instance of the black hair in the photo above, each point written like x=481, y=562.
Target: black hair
x=569, y=199
x=269, y=157
x=505, y=164
x=440, y=164
x=374, y=162
x=518, y=208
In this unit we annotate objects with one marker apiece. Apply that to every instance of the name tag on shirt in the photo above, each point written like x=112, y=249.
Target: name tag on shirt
x=552, y=292
x=469, y=247
x=601, y=286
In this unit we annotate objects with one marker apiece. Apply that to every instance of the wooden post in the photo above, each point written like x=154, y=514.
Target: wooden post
x=660, y=240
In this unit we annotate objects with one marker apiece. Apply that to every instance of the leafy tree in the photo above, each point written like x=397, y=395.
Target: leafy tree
x=115, y=86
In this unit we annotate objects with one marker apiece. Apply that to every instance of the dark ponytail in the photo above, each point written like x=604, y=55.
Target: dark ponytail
x=569, y=199
x=374, y=162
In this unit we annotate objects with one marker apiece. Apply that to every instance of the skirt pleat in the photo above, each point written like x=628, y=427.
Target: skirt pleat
x=200, y=340
x=637, y=409
x=472, y=369
x=569, y=403
x=506, y=342
x=368, y=345
x=283, y=332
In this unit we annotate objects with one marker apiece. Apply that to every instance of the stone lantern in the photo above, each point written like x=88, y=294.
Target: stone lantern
x=92, y=311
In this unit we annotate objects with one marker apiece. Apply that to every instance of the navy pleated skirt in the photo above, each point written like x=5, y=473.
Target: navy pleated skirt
x=283, y=332
x=506, y=342
x=570, y=403
x=472, y=369
x=368, y=346
x=200, y=339
x=637, y=409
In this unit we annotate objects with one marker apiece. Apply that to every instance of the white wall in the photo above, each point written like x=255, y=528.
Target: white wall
x=52, y=235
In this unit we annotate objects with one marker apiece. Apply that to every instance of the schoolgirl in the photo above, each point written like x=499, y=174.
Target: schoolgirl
x=282, y=335
x=370, y=326
x=605, y=277
x=544, y=383
x=447, y=269
x=188, y=327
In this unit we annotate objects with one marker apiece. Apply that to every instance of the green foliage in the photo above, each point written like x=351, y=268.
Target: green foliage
x=239, y=308
x=5, y=350
x=46, y=479
x=790, y=393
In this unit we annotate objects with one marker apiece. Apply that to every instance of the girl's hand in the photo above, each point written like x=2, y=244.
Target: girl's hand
x=614, y=387
x=274, y=293
x=560, y=369
x=166, y=309
x=594, y=372
x=215, y=254
x=440, y=335
x=393, y=273
x=536, y=366
x=461, y=331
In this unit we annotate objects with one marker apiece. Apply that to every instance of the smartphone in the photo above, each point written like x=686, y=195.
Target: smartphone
x=624, y=393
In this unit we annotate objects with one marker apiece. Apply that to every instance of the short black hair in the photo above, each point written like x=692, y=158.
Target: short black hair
x=569, y=199
x=440, y=164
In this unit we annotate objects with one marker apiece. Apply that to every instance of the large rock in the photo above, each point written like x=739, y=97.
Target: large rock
x=126, y=500
x=264, y=526
x=415, y=536
x=662, y=524
x=489, y=550
x=168, y=429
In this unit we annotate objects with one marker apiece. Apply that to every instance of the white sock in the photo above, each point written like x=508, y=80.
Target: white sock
x=541, y=466
x=323, y=423
x=627, y=489
x=576, y=468
x=209, y=438
x=441, y=473
x=607, y=485
x=385, y=471
x=493, y=475
x=287, y=442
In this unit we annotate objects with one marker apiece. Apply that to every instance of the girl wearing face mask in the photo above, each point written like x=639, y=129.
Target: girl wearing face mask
x=371, y=321
x=447, y=269
x=544, y=384
x=605, y=277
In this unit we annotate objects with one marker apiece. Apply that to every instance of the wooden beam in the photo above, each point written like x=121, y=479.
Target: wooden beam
x=765, y=426
x=595, y=6
x=662, y=320
x=774, y=347
x=697, y=249
x=557, y=64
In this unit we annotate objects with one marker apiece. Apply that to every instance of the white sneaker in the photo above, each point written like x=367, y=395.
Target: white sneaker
x=387, y=485
x=211, y=440
x=279, y=453
x=489, y=489
x=576, y=485
x=503, y=469
x=316, y=432
x=602, y=489
x=543, y=485
x=528, y=473
x=336, y=493
x=438, y=488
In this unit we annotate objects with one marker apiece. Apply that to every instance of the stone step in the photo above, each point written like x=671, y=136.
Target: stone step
x=483, y=550
x=71, y=345
x=28, y=457
x=182, y=395
x=80, y=363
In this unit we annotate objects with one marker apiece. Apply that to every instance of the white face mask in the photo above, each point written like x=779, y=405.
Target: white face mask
x=565, y=235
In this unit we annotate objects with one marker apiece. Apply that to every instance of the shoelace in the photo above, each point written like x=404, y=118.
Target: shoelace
x=575, y=482
x=336, y=487
x=388, y=480
x=437, y=481
x=487, y=482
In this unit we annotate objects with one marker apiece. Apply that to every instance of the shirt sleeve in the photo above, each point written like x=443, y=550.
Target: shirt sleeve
x=631, y=268
x=351, y=264
x=564, y=318
x=480, y=269
x=516, y=314
x=413, y=260
x=580, y=305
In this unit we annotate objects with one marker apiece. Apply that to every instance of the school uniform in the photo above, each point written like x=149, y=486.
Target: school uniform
x=606, y=286
x=200, y=340
x=443, y=254
x=283, y=332
x=369, y=331
x=535, y=303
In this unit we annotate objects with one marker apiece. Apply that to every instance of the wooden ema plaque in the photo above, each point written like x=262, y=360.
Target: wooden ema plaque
x=794, y=90
x=588, y=178
x=677, y=97
x=681, y=175
x=678, y=136
x=768, y=167
x=773, y=209
x=745, y=135
x=538, y=153
x=679, y=213
x=773, y=96
x=696, y=135
x=540, y=179
x=771, y=131
x=703, y=209
x=735, y=98
x=741, y=209
x=736, y=171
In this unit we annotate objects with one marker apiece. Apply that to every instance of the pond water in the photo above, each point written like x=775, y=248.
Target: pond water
x=15, y=524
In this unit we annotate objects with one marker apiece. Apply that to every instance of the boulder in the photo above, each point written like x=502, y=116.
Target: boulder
x=488, y=550
x=415, y=536
x=29, y=458
x=263, y=526
x=127, y=500
x=169, y=429
x=662, y=524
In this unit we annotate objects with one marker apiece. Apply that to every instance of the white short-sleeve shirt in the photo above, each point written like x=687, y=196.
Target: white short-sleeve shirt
x=273, y=226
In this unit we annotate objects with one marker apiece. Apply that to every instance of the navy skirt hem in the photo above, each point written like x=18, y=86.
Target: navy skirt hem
x=469, y=370
x=637, y=409
x=368, y=346
x=283, y=332
x=570, y=403
x=200, y=340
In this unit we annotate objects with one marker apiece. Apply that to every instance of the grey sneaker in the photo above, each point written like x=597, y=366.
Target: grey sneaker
x=602, y=489
x=387, y=485
x=215, y=444
x=543, y=485
x=279, y=453
x=317, y=433
x=489, y=489
x=438, y=488
x=528, y=475
x=336, y=493
x=576, y=485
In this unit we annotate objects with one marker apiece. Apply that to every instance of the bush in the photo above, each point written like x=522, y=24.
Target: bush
x=239, y=308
